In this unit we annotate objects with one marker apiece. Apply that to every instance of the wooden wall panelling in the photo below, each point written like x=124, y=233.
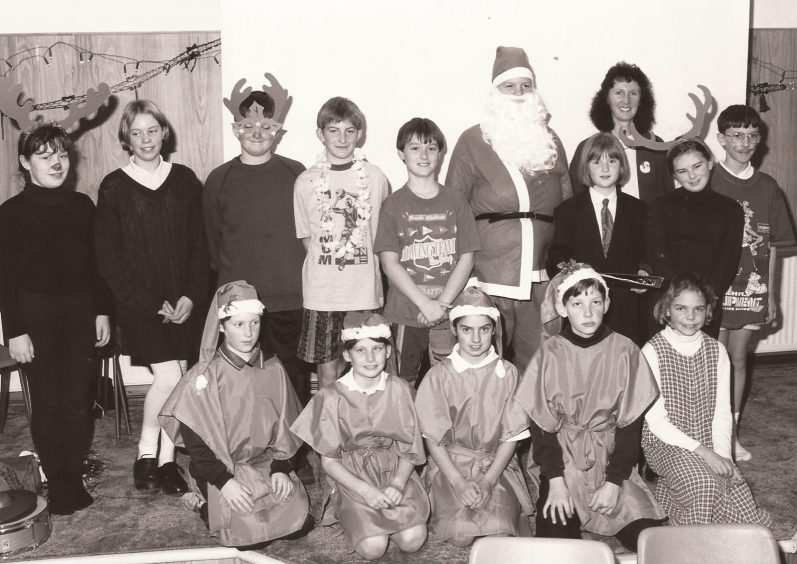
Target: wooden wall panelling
x=190, y=100
x=778, y=47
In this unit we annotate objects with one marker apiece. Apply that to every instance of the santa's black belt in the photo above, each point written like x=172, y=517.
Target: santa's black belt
x=493, y=217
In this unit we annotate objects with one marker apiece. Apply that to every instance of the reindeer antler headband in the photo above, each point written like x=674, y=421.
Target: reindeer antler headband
x=701, y=111
x=79, y=108
x=282, y=101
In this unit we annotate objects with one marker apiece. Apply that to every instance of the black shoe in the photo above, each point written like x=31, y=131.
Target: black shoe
x=146, y=475
x=171, y=479
x=309, y=524
x=82, y=498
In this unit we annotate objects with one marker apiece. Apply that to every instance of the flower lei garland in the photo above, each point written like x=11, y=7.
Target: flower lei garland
x=354, y=236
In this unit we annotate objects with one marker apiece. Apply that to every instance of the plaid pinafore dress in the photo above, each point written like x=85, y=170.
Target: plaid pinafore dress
x=687, y=490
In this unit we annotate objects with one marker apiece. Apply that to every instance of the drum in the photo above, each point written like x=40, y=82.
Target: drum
x=25, y=533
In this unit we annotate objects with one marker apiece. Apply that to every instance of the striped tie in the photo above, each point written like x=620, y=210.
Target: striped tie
x=607, y=225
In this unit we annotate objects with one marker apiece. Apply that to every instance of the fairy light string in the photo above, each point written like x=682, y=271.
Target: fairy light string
x=187, y=59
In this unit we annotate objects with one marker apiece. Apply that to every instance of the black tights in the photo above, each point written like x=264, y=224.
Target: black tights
x=62, y=331
x=628, y=535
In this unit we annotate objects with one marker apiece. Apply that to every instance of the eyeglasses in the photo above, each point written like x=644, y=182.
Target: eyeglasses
x=739, y=137
x=263, y=125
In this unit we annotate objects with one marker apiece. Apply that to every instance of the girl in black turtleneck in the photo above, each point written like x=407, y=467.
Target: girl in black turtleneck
x=694, y=229
x=54, y=308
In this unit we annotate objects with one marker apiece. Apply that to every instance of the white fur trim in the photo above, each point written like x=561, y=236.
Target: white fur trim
x=241, y=306
x=514, y=72
x=365, y=332
x=575, y=278
x=468, y=309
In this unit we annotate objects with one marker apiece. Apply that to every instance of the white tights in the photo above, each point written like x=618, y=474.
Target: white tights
x=167, y=375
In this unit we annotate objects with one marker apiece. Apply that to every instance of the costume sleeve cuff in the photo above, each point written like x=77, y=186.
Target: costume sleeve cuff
x=281, y=467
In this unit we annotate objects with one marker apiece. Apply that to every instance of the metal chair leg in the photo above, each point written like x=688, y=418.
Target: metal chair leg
x=120, y=397
x=25, y=386
x=5, y=389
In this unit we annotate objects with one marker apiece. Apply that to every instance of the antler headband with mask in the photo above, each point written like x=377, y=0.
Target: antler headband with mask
x=79, y=108
x=256, y=117
x=701, y=111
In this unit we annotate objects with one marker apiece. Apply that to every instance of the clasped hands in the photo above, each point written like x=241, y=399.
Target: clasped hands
x=177, y=313
x=389, y=497
x=433, y=312
x=474, y=493
x=240, y=497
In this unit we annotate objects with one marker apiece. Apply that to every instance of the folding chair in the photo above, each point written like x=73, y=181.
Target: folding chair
x=708, y=544
x=524, y=550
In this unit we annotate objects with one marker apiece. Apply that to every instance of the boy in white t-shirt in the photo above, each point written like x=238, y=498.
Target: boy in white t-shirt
x=336, y=207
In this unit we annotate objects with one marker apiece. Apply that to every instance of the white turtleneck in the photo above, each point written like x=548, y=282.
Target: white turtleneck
x=721, y=425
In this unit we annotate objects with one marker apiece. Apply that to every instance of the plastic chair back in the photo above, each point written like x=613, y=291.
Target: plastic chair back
x=708, y=544
x=511, y=550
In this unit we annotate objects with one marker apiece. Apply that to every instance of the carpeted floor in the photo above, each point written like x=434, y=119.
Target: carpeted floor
x=124, y=520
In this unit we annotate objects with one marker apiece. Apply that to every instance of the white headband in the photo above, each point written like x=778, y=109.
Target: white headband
x=241, y=306
x=365, y=332
x=468, y=309
x=514, y=72
x=575, y=278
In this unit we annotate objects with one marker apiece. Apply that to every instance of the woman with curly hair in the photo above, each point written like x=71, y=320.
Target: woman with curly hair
x=626, y=97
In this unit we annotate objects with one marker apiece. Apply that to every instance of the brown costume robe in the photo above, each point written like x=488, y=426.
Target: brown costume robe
x=467, y=412
x=243, y=415
x=583, y=395
x=369, y=433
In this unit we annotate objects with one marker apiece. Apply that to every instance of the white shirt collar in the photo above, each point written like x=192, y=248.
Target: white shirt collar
x=461, y=365
x=352, y=385
x=152, y=180
x=743, y=175
x=597, y=199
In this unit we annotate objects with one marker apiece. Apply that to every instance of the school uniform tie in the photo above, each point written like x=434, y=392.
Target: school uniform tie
x=607, y=225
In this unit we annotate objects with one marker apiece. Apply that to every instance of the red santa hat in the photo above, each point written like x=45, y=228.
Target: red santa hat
x=511, y=62
x=230, y=299
x=358, y=325
x=571, y=273
x=474, y=301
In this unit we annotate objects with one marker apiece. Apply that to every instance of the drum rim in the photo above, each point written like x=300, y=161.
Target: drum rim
x=41, y=510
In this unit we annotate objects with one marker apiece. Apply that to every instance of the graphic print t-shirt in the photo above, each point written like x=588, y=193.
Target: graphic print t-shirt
x=766, y=221
x=429, y=235
x=331, y=281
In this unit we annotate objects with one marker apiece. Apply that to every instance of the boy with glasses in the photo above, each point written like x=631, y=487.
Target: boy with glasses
x=750, y=302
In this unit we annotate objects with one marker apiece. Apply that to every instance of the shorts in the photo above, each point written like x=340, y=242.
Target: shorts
x=320, y=341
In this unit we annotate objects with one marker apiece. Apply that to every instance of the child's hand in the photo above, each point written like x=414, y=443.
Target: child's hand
x=395, y=495
x=605, y=498
x=167, y=311
x=486, y=494
x=182, y=310
x=559, y=499
x=467, y=492
x=433, y=311
x=641, y=272
x=21, y=348
x=737, y=479
x=772, y=312
x=102, y=326
x=422, y=321
x=376, y=498
x=281, y=485
x=238, y=496
x=720, y=466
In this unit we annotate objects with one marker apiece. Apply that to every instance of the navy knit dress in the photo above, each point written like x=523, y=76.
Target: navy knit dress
x=151, y=247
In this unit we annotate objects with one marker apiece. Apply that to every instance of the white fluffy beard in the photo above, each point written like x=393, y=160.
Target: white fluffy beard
x=516, y=128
